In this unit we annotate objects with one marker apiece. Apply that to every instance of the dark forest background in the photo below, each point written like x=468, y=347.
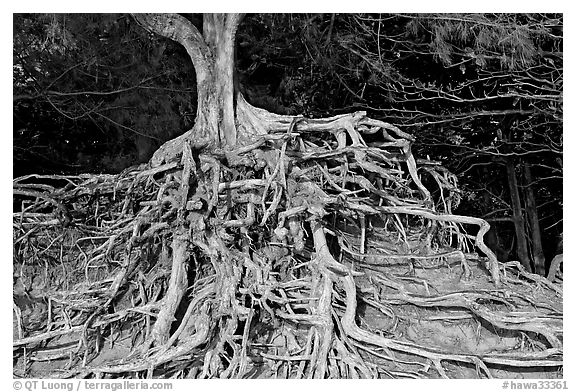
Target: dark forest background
x=482, y=93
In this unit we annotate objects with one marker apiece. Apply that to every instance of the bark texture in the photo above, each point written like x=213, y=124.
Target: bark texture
x=212, y=53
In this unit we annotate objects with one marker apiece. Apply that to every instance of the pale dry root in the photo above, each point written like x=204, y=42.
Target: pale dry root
x=314, y=250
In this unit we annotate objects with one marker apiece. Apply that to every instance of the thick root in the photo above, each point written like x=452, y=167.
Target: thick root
x=314, y=250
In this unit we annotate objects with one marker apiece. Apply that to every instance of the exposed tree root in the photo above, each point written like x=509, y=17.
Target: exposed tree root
x=314, y=250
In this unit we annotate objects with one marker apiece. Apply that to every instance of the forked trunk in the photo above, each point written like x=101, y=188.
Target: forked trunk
x=212, y=53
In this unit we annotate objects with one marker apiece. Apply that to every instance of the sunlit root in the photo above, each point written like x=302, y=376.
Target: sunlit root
x=317, y=248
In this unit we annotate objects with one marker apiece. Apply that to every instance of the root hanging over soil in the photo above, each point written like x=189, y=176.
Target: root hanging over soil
x=316, y=249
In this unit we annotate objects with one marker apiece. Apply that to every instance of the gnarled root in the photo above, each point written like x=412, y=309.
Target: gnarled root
x=314, y=249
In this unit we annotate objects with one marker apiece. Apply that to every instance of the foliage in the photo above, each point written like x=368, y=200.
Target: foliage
x=94, y=92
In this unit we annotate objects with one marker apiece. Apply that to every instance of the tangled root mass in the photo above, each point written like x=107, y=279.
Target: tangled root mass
x=314, y=251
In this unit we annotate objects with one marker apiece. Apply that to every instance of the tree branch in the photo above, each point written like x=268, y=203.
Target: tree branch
x=178, y=29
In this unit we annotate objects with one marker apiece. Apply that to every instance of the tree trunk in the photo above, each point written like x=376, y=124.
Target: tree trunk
x=220, y=35
x=212, y=54
x=517, y=217
x=492, y=238
x=532, y=214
